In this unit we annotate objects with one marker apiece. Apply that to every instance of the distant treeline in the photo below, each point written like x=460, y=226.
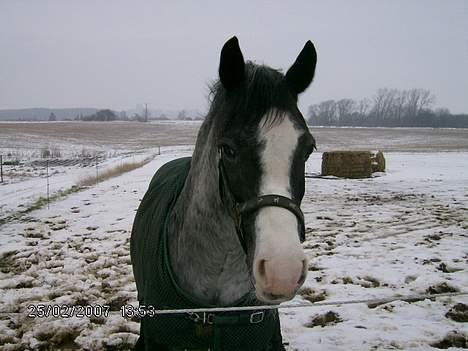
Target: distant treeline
x=388, y=108
x=109, y=115
x=101, y=115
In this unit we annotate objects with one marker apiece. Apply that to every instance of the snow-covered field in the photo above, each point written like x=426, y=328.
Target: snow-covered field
x=404, y=232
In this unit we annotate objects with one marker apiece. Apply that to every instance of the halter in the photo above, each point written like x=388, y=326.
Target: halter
x=237, y=209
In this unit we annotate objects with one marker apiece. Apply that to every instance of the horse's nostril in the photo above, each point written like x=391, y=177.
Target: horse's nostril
x=261, y=268
x=275, y=297
x=304, y=272
x=301, y=279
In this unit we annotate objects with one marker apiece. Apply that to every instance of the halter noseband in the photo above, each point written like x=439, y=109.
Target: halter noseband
x=271, y=200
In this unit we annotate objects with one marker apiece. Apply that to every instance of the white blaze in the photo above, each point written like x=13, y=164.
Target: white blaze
x=276, y=228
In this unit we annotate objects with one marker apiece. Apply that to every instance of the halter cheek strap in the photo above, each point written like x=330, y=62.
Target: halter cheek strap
x=236, y=209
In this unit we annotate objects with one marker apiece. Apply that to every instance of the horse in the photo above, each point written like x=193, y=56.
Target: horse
x=224, y=227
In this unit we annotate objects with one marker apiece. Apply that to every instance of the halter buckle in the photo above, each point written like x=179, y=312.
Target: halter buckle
x=208, y=318
x=257, y=317
x=205, y=318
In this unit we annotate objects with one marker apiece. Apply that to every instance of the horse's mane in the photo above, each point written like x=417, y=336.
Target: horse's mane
x=263, y=90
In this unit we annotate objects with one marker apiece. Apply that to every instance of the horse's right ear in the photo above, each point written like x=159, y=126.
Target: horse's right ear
x=231, y=65
x=301, y=73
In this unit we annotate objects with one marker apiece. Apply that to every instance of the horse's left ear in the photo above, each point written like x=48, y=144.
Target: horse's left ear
x=302, y=71
x=231, y=65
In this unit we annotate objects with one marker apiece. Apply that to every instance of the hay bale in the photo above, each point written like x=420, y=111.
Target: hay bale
x=347, y=164
x=378, y=161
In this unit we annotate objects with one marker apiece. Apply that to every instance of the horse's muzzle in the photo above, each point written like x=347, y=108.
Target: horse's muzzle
x=278, y=281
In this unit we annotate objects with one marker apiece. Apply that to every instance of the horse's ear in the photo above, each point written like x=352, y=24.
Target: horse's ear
x=231, y=65
x=302, y=71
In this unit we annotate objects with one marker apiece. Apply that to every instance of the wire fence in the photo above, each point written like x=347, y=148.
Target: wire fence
x=14, y=172
x=369, y=301
x=28, y=181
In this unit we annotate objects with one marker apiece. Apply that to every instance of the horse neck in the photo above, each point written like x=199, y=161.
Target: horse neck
x=204, y=250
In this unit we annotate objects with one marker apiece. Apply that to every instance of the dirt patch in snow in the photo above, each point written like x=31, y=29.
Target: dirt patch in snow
x=453, y=339
x=458, y=313
x=323, y=320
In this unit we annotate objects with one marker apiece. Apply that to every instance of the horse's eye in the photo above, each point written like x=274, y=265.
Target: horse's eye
x=228, y=151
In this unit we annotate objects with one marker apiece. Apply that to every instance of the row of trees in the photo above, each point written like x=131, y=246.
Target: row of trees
x=109, y=115
x=388, y=108
x=101, y=115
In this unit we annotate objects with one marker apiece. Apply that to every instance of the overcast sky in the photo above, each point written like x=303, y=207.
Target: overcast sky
x=118, y=54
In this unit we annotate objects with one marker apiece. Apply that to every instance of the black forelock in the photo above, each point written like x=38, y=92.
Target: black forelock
x=262, y=90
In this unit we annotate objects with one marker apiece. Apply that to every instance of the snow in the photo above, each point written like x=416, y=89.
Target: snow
x=28, y=182
x=398, y=233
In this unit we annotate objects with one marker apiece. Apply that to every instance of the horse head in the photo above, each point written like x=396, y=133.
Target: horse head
x=263, y=144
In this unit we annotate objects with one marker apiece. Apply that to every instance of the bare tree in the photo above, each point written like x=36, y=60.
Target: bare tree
x=385, y=107
x=323, y=113
x=378, y=107
x=363, y=106
x=345, y=108
x=327, y=111
x=426, y=100
x=312, y=114
x=388, y=107
x=399, y=108
x=413, y=102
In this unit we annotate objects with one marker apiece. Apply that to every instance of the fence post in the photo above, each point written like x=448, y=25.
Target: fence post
x=96, y=159
x=47, y=175
x=1, y=168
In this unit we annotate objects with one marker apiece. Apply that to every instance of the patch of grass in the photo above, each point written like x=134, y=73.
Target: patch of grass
x=344, y=280
x=453, y=339
x=445, y=269
x=441, y=289
x=42, y=201
x=365, y=282
x=117, y=302
x=322, y=320
x=373, y=281
x=10, y=264
x=312, y=295
x=458, y=313
x=314, y=268
x=11, y=163
x=113, y=172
